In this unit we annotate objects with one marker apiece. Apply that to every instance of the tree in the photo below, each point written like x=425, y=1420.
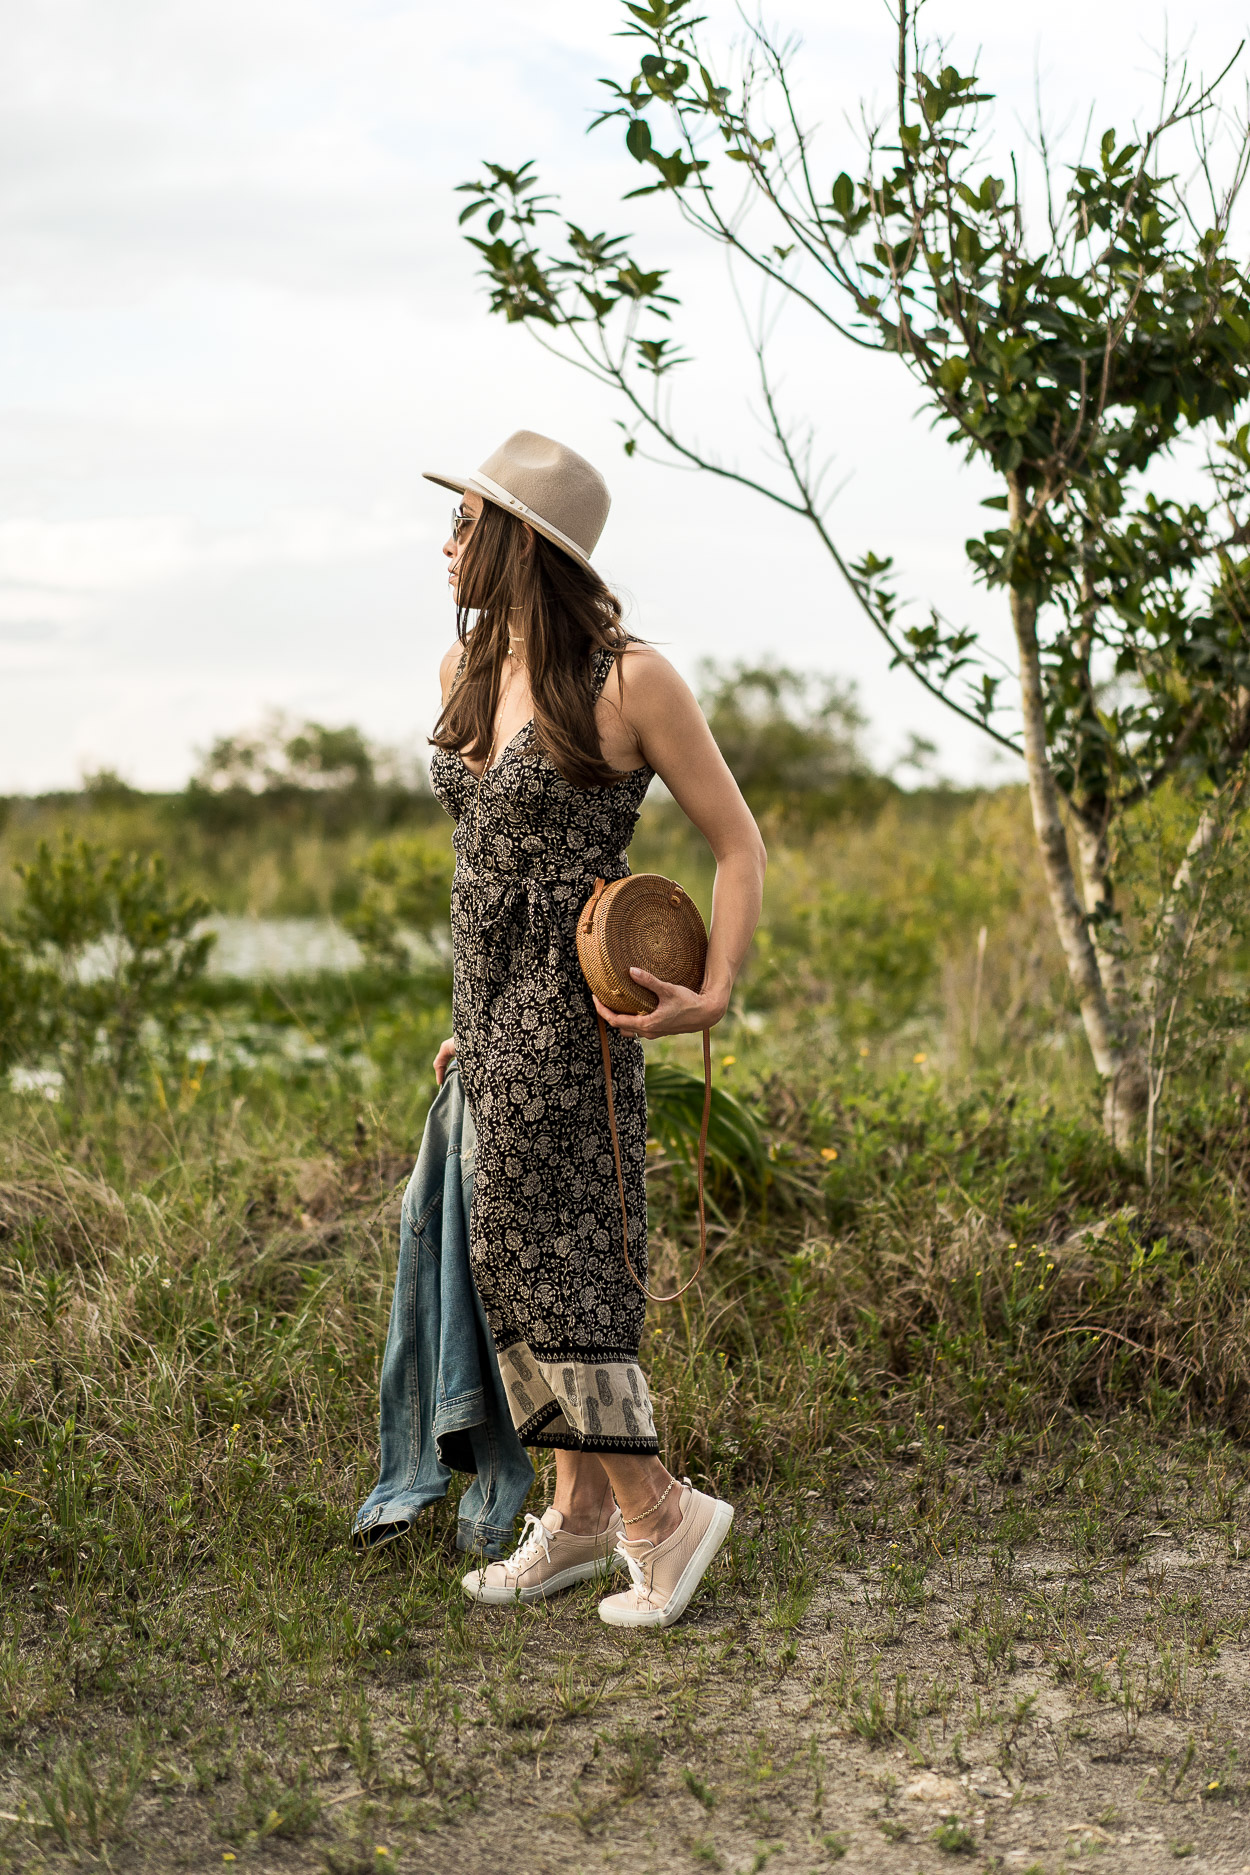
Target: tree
x=314, y=774
x=1072, y=361
x=275, y=760
x=792, y=738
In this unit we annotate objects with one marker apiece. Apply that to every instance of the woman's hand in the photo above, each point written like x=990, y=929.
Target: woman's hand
x=678, y=1011
x=444, y=1058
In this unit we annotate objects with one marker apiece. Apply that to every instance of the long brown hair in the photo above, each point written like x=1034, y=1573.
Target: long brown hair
x=565, y=610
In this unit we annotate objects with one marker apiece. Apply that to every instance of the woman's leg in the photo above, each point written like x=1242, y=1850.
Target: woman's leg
x=638, y=1484
x=587, y=1482
x=583, y=1495
x=557, y=1552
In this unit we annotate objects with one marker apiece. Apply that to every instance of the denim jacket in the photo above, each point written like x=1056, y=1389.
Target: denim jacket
x=443, y=1402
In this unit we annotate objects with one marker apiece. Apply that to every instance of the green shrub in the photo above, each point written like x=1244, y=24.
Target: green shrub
x=99, y=948
x=407, y=890
x=20, y=1004
x=737, y=1151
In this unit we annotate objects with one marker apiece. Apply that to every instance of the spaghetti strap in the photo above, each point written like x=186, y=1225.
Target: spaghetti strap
x=601, y=664
x=604, y=658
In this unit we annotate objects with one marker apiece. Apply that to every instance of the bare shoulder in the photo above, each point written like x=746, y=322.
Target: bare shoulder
x=447, y=668
x=645, y=683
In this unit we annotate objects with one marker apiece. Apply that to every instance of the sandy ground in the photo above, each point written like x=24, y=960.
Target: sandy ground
x=1012, y=1712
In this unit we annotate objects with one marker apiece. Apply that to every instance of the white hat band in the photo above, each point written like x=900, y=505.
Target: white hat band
x=504, y=499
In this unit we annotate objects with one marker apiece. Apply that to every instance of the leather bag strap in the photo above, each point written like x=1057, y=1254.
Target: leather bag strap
x=620, y=1176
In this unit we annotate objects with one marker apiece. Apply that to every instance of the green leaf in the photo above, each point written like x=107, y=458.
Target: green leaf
x=844, y=194
x=662, y=78
x=638, y=139
x=735, y=1145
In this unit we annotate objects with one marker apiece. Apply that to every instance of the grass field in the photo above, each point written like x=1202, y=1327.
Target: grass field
x=979, y=1396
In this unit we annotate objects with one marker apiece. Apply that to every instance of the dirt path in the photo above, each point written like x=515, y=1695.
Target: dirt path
x=1010, y=1711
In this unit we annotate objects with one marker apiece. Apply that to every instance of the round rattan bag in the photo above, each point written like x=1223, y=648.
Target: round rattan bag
x=644, y=922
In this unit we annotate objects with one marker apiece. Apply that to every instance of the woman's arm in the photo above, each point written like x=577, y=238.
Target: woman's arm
x=671, y=734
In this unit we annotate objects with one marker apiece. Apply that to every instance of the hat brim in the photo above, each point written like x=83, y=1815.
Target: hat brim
x=461, y=485
x=456, y=483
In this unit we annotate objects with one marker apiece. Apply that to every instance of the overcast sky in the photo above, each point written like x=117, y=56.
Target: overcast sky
x=237, y=320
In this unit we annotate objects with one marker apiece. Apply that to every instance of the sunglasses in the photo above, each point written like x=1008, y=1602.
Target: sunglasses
x=460, y=523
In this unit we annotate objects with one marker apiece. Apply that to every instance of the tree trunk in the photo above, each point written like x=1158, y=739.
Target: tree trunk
x=1099, y=895
x=1179, y=908
x=1120, y=1067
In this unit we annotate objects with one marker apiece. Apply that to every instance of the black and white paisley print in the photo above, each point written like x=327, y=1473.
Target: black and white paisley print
x=545, y=1226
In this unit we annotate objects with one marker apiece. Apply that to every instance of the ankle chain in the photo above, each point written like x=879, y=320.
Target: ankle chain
x=651, y=1508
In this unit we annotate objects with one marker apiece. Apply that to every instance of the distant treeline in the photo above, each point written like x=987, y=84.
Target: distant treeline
x=794, y=740
x=304, y=778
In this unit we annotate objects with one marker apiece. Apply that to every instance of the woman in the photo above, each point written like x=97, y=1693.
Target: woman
x=553, y=723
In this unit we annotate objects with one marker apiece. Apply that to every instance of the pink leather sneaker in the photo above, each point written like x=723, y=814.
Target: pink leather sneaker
x=548, y=1559
x=664, y=1576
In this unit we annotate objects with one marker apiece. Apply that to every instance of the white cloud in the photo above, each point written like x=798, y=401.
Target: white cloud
x=237, y=320
x=124, y=552
x=305, y=145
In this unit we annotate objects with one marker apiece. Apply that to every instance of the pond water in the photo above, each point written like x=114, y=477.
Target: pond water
x=280, y=947
x=254, y=947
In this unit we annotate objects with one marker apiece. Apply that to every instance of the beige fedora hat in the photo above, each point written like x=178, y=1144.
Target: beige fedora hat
x=560, y=494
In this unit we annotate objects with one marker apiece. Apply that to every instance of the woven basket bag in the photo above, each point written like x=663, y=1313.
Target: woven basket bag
x=644, y=922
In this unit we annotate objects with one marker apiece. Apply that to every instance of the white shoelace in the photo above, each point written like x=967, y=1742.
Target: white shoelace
x=535, y=1536
x=636, y=1575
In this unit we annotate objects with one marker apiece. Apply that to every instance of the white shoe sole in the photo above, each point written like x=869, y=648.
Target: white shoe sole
x=691, y=1576
x=500, y=1597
